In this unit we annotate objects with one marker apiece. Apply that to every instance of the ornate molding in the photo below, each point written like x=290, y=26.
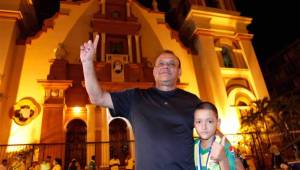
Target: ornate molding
x=58, y=84
x=114, y=26
x=55, y=90
x=244, y=36
x=10, y=14
x=25, y=110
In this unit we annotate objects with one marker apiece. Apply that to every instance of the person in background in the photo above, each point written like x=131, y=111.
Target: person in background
x=92, y=163
x=35, y=166
x=277, y=159
x=57, y=164
x=129, y=163
x=46, y=164
x=114, y=163
x=74, y=165
x=18, y=163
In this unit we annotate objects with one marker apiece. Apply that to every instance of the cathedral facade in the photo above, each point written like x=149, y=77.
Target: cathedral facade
x=42, y=95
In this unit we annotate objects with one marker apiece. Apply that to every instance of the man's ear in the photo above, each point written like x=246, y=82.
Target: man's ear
x=179, y=73
x=154, y=72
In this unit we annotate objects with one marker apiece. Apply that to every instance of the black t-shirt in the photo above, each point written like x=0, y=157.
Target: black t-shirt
x=163, y=126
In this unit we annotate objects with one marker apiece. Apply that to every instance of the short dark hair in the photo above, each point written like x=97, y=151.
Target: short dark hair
x=172, y=53
x=58, y=161
x=207, y=106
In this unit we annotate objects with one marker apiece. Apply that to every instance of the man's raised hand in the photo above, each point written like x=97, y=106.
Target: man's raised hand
x=88, y=50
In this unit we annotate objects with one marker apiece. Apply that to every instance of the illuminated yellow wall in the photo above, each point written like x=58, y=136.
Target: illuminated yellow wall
x=256, y=79
x=157, y=37
x=71, y=29
x=10, y=64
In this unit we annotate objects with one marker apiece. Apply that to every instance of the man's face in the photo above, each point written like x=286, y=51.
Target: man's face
x=206, y=123
x=166, y=70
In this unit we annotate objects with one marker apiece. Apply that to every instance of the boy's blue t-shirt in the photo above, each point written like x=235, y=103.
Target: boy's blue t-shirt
x=204, y=153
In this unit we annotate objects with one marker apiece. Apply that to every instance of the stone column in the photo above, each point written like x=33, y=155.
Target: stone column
x=104, y=139
x=207, y=63
x=129, y=38
x=103, y=37
x=10, y=67
x=103, y=7
x=91, y=128
x=128, y=9
x=137, y=46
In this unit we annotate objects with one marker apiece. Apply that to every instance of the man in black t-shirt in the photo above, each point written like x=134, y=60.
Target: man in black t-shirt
x=161, y=117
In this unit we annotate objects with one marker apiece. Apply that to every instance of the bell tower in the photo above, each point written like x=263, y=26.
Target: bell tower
x=119, y=49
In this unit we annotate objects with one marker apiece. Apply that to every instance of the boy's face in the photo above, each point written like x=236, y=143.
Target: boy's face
x=206, y=123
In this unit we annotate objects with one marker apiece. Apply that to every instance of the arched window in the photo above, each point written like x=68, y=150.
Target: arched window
x=119, y=139
x=229, y=53
x=75, y=138
x=227, y=57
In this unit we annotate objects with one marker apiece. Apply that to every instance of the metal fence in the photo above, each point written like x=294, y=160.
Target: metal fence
x=256, y=151
x=82, y=152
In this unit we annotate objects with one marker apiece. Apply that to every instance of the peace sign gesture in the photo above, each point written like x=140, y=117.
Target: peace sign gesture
x=88, y=50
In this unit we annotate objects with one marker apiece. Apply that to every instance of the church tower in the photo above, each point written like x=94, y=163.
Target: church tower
x=227, y=72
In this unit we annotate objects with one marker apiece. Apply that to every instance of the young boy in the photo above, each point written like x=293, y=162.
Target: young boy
x=210, y=151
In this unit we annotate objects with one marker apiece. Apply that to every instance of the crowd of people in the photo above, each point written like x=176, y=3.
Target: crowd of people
x=19, y=163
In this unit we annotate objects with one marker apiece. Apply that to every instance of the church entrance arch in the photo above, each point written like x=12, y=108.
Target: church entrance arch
x=119, y=139
x=75, y=142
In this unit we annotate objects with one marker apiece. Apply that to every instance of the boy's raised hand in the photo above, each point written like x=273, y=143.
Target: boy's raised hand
x=88, y=50
x=218, y=151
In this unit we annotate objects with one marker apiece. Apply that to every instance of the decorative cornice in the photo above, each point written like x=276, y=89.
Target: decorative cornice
x=209, y=21
x=10, y=14
x=244, y=36
x=47, y=105
x=203, y=31
x=198, y=11
x=115, y=27
x=59, y=84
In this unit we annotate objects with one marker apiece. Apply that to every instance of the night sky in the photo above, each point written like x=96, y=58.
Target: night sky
x=274, y=25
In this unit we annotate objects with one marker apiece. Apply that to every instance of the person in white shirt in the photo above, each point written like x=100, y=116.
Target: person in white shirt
x=46, y=164
x=114, y=163
x=129, y=163
x=57, y=164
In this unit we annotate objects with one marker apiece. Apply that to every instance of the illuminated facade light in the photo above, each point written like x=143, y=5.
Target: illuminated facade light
x=77, y=110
